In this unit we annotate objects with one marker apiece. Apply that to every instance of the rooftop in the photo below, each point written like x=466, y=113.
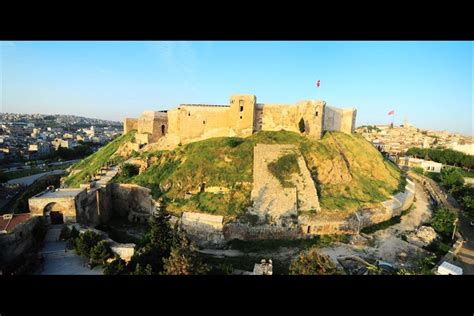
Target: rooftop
x=60, y=193
x=9, y=221
x=206, y=105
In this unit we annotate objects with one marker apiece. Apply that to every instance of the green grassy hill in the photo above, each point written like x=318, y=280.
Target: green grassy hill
x=81, y=171
x=348, y=171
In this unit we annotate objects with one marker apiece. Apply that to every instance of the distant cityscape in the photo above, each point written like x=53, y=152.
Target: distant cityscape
x=396, y=140
x=26, y=137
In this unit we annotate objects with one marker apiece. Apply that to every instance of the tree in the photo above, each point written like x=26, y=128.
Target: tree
x=139, y=270
x=74, y=233
x=118, y=266
x=313, y=262
x=418, y=170
x=443, y=221
x=302, y=126
x=85, y=242
x=101, y=252
x=129, y=170
x=183, y=259
x=3, y=177
x=452, y=178
x=65, y=233
x=156, y=244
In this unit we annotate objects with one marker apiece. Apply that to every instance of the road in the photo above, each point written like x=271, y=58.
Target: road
x=466, y=253
x=30, y=179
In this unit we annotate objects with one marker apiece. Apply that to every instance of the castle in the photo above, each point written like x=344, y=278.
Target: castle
x=241, y=118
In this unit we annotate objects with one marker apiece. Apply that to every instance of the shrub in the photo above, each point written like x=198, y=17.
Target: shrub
x=418, y=170
x=118, y=266
x=284, y=167
x=85, y=242
x=74, y=233
x=129, y=170
x=183, y=259
x=101, y=252
x=301, y=126
x=313, y=262
x=443, y=221
x=65, y=233
x=452, y=179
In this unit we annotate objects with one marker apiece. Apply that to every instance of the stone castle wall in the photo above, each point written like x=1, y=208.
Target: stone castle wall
x=129, y=124
x=132, y=201
x=339, y=120
x=400, y=202
x=243, y=117
x=19, y=241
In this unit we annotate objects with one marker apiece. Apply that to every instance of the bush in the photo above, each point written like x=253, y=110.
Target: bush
x=284, y=167
x=452, y=179
x=183, y=259
x=85, y=242
x=118, y=266
x=129, y=170
x=301, y=126
x=65, y=233
x=101, y=252
x=443, y=221
x=313, y=262
x=418, y=170
x=74, y=233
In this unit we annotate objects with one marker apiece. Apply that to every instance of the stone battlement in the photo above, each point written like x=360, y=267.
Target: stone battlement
x=241, y=118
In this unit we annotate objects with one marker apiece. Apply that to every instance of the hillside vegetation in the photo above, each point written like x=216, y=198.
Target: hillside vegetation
x=86, y=168
x=348, y=171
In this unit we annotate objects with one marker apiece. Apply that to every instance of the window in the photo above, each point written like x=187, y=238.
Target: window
x=240, y=117
x=316, y=113
x=203, y=122
x=189, y=113
x=241, y=103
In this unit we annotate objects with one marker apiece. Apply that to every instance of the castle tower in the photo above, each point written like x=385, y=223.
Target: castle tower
x=241, y=114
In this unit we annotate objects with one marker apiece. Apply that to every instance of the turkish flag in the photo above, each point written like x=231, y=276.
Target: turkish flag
x=392, y=112
x=318, y=83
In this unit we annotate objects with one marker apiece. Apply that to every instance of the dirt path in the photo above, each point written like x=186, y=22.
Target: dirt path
x=387, y=244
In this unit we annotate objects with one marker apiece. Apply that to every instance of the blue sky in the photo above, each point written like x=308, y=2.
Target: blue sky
x=429, y=82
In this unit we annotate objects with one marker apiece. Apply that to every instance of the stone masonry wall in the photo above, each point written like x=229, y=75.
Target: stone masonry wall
x=364, y=218
x=19, y=241
x=132, y=201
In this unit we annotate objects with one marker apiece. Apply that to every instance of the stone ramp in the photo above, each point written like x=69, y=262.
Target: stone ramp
x=269, y=197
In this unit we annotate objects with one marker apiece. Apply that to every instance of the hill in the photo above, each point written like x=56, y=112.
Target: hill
x=348, y=171
x=86, y=168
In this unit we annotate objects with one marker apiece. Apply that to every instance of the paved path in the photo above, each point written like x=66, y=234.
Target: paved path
x=59, y=261
x=30, y=179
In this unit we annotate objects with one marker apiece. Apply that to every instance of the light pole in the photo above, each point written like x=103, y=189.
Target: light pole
x=454, y=229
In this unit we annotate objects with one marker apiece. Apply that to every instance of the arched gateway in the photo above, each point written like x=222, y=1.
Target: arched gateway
x=54, y=213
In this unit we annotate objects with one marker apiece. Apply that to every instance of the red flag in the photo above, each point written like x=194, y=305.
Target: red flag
x=392, y=112
x=318, y=83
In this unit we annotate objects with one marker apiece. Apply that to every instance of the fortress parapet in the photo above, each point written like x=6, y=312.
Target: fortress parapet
x=242, y=117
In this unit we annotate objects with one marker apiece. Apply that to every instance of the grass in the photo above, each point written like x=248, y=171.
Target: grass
x=20, y=203
x=228, y=162
x=386, y=224
x=90, y=165
x=248, y=246
x=253, y=248
x=29, y=172
x=283, y=168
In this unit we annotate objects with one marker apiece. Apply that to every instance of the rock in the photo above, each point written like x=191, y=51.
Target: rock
x=423, y=236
